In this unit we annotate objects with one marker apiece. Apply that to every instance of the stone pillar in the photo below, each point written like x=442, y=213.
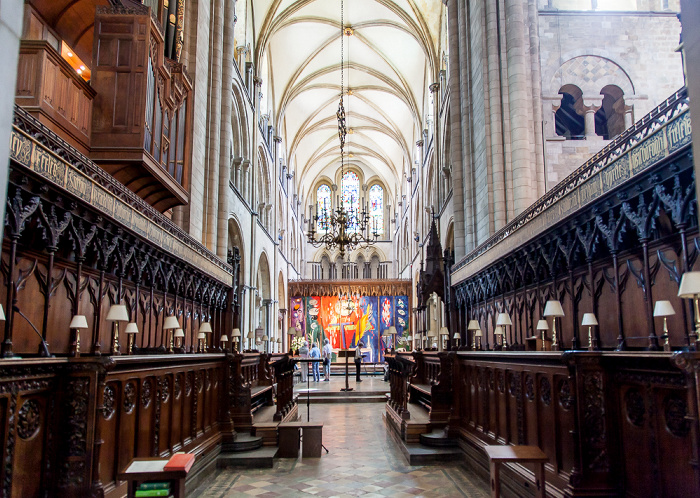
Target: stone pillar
x=245, y=180
x=213, y=153
x=524, y=180
x=458, y=185
x=226, y=131
x=11, y=14
x=623, y=107
x=587, y=107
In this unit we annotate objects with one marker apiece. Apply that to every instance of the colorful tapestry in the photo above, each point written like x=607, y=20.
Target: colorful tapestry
x=386, y=320
x=369, y=330
x=346, y=322
x=329, y=320
x=298, y=316
x=401, y=314
x=314, y=329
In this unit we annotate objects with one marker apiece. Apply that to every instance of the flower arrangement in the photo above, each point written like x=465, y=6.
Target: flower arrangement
x=297, y=343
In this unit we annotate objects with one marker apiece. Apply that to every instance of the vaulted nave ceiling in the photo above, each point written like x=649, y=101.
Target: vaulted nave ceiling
x=391, y=57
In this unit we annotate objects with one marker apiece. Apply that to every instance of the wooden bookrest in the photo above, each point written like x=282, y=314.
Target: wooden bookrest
x=499, y=454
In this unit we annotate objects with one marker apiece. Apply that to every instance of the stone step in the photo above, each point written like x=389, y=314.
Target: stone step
x=437, y=439
x=243, y=443
x=262, y=458
x=339, y=393
x=362, y=398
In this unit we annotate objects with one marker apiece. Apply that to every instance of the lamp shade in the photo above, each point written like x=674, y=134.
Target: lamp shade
x=265, y=338
x=542, y=325
x=78, y=322
x=205, y=327
x=498, y=331
x=236, y=333
x=201, y=335
x=663, y=308
x=589, y=319
x=409, y=338
x=224, y=338
x=179, y=333
x=456, y=335
x=131, y=328
x=553, y=308
x=292, y=331
x=171, y=323
x=250, y=335
x=477, y=333
x=473, y=325
x=2, y=314
x=278, y=340
x=690, y=285
x=391, y=330
x=117, y=313
x=503, y=319
x=444, y=331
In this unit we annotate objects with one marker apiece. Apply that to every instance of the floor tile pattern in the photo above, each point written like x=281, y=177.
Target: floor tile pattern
x=363, y=461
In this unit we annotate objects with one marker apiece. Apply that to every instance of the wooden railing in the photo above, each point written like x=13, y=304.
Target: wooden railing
x=608, y=421
x=401, y=367
x=73, y=423
x=252, y=378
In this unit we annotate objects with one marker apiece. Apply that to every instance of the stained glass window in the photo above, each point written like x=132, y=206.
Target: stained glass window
x=351, y=196
x=323, y=201
x=376, y=209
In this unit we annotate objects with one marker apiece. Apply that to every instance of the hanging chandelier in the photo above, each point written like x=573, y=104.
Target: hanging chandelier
x=350, y=228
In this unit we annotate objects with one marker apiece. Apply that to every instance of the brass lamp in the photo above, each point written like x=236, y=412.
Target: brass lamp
x=498, y=336
x=236, y=336
x=553, y=308
x=205, y=328
x=179, y=337
x=456, y=337
x=473, y=326
x=664, y=309
x=201, y=337
x=130, y=330
x=250, y=337
x=477, y=338
x=690, y=289
x=409, y=339
x=590, y=321
x=264, y=341
x=504, y=321
x=444, y=334
x=117, y=313
x=543, y=327
x=224, y=340
x=392, y=332
x=278, y=341
x=78, y=322
x=171, y=324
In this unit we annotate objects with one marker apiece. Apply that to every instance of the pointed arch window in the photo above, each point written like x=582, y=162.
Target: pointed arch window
x=323, y=203
x=376, y=209
x=351, y=197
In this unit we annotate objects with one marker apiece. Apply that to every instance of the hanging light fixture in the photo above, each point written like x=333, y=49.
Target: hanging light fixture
x=343, y=228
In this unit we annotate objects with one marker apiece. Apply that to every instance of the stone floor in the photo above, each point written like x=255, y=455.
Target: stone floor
x=363, y=460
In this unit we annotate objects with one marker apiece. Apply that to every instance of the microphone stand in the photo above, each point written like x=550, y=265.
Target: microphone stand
x=44, y=347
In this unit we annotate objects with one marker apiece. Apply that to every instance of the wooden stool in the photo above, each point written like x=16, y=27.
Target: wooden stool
x=151, y=469
x=518, y=454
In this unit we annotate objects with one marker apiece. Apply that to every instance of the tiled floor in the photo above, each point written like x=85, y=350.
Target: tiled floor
x=363, y=461
x=369, y=384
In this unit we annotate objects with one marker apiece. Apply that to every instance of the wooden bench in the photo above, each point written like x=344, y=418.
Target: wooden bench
x=254, y=381
x=291, y=433
x=516, y=454
x=431, y=384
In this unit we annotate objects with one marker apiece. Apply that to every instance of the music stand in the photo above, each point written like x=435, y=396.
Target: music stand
x=347, y=385
x=308, y=389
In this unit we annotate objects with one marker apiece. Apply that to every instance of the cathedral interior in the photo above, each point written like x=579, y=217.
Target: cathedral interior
x=484, y=209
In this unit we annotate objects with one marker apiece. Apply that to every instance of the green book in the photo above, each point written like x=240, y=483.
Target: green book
x=152, y=492
x=154, y=485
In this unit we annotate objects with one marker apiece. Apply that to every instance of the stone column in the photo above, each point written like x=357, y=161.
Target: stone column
x=212, y=172
x=524, y=181
x=11, y=15
x=226, y=132
x=244, y=180
x=458, y=185
x=623, y=107
x=587, y=107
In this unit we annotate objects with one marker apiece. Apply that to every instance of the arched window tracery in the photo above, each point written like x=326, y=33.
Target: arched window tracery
x=323, y=203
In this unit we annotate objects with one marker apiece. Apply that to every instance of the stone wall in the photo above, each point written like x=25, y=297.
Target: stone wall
x=634, y=51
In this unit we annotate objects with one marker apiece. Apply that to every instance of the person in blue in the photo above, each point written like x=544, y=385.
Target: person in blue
x=316, y=353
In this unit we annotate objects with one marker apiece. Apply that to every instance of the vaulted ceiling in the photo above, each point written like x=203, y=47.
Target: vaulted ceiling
x=391, y=58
